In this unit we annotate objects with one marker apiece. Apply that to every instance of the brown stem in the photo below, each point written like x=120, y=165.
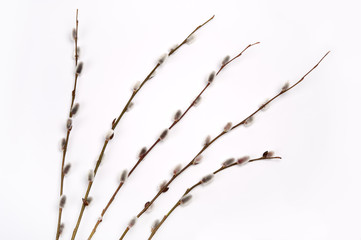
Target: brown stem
x=76, y=39
x=114, y=125
x=73, y=94
x=196, y=185
x=217, y=137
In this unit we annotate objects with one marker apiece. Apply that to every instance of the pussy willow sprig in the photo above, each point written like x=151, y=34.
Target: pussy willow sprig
x=228, y=128
x=74, y=107
x=176, y=119
x=115, y=122
x=205, y=180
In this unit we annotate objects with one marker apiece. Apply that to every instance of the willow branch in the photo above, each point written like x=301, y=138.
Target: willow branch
x=116, y=121
x=65, y=146
x=206, y=146
x=179, y=202
x=143, y=156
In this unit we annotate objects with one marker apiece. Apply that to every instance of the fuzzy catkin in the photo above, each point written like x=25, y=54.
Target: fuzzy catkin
x=75, y=109
x=227, y=127
x=142, y=152
x=211, y=77
x=177, y=115
x=207, y=178
x=79, y=68
x=228, y=162
x=66, y=169
x=124, y=176
x=163, y=135
x=62, y=201
x=185, y=199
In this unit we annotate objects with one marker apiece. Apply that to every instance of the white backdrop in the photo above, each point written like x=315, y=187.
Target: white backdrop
x=313, y=193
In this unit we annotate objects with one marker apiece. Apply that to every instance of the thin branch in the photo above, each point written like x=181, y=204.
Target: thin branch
x=141, y=157
x=179, y=202
x=76, y=39
x=116, y=121
x=65, y=146
x=206, y=146
x=228, y=62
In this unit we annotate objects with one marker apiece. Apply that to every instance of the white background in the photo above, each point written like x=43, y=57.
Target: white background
x=313, y=193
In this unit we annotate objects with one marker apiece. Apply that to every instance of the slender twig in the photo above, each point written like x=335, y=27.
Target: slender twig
x=229, y=61
x=210, y=142
x=65, y=144
x=142, y=156
x=202, y=181
x=116, y=121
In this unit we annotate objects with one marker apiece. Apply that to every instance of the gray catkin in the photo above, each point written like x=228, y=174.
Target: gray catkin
x=185, y=199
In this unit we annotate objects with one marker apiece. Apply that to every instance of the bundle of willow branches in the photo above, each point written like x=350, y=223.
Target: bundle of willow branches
x=178, y=116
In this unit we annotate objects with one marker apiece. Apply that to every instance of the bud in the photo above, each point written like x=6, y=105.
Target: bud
x=162, y=58
x=207, y=141
x=75, y=109
x=154, y=225
x=74, y=34
x=69, y=124
x=130, y=106
x=62, y=201
x=177, y=115
x=61, y=228
x=163, y=134
x=243, y=160
x=113, y=122
x=87, y=201
x=66, y=169
x=228, y=162
x=79, y=68
x=172, y=49
x=248, y=122
x=264, y=106
x=136, y=86
x=63, y=143
x=91, y=175
x=142, y=152
x=225, y=60
x=109, y=135
x=100, y=219
x=163, y=186
x=197, y=101
x=268, y=154
x=123, y=176
x=190, y=39
x=227, y=127
x=285, y=87
x=177, y=169
x=211, y=77
x=207, y=179
x=132, y=222
x=185, y=199
x=148, y=206
x=197, y=159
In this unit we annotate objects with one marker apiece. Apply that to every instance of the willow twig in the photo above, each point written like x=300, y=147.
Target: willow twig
x=177, y=119
x=66, y=140
x=227, y=129
x=202, y=181
x=116, y=121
